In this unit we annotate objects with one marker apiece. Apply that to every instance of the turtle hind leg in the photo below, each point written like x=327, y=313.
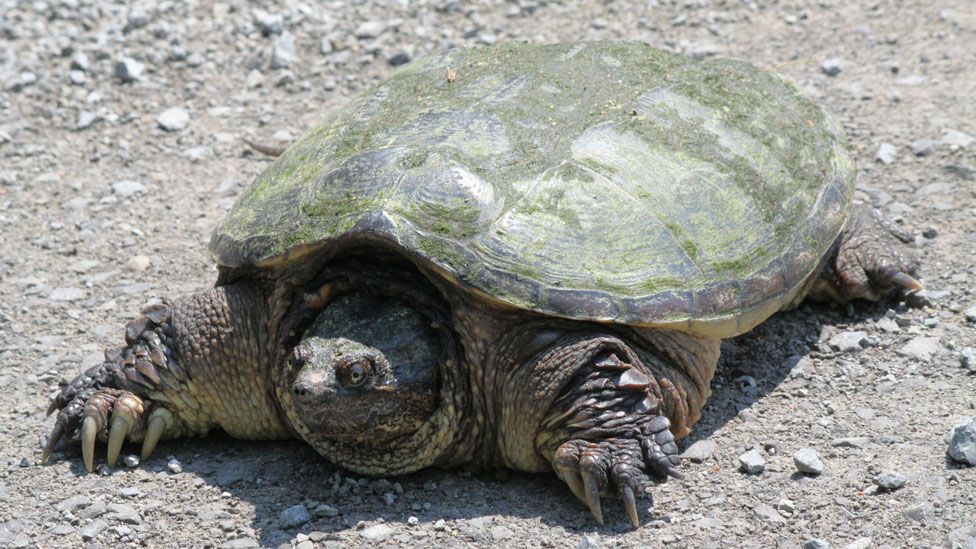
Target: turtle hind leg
x=872, y=259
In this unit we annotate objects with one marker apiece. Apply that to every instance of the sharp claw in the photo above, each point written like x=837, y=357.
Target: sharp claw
x=630, y=504
x=89, y=428
x=52, y=441
x=593, y=496
x=155, y=430
x=575, y=485
x=116, y=436
x=906, y=281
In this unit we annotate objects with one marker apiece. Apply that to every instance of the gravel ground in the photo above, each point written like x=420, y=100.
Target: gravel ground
x=120, y=127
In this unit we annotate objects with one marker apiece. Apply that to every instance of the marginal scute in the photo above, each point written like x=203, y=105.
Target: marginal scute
x=665, y=192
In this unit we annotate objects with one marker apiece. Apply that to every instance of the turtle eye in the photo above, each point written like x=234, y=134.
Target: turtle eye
x=353, y=374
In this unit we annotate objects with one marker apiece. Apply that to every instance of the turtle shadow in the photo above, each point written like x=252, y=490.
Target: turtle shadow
x=767, y=358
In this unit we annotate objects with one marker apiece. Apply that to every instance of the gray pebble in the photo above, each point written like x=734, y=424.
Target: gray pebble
x=173, y=119
x=440, y=525
x=752, y=462
x=174, y=466
x=700, y=451
x=326, y=510
x=240, y=543
x=831, y=67
x=859, y=543
x=962, y=538
x=955, y=138
x=128, y=69
x=91, y=530
x=95, y=510
x=85, y=120
x=846, y=342
x=967, y=358
x=369, y=30
x=126, y=188
x=887, y=153
x=325, y=45
x=283, y=52
x=73, y=503
x=921, y=348
x=77, y=78
x=808, y=461
x=500, y=533
x=923, y=147
x=377, y=532
x=195, y=59
x=268, y=23
x=588, y=542
x=921, y=512
x=124, y=513
x=80, y=62
x=294, y=516
x=889, y=482
x=413, y=521
x=400, y=57
x=816, y=544
x=66, y=294
x=970, y=314
x=962, y=444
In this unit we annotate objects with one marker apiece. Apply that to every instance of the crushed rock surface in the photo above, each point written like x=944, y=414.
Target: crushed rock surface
x=102, y=209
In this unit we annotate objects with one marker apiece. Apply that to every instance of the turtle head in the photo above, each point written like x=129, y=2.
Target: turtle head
x=365, y=384
x=348, y=391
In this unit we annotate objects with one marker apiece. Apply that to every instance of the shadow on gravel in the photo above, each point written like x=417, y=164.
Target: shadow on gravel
x=275, y=477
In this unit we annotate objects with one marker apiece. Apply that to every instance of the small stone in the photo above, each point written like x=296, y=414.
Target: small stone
x=240, y=543
x=808, y=461
x=889, y=482
x=124, y=513
x=923, y=147
x=325, y=45
x=921, y=348
x=294, y=516
x=767, y=512
x=921, y=512
x=91, y=530
x=174, y=466
x=413, y=521
x=95, y=510
x=954, y=138
x=846, y=342
x=128, y=69
x=962, y=538
x=500, y=533
x=126, y=188
x=173, y=119
x=400, y=57
x=859, y=543
x=377, y=532
x=831, y=67
x=369, y=30
x=85, y=120
x=962, y=442
x=887, y=153
x=73, y=503
x=970, y=314
x=816, y=544
x=851, y=442
x=326, y=510
x=440, y=525
x=752, y=462
x=195, y=59
x=77, y=78
x=131, y=461
x=66, y=294
x=305, y=544
x=137, y=264
x=80, y=62
x=269, y=23
x=283, y=52
x=967, y=358
x=588, y=542
x=700, y=451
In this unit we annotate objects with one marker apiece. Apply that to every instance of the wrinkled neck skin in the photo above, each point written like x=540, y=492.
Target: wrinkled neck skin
x=500, y=376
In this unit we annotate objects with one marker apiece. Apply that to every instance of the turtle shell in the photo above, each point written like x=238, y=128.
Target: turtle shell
x=603, y=181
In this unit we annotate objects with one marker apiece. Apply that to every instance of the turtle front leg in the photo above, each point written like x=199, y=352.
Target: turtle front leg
x=872, y=259
x=187, y=367
x=617, y=403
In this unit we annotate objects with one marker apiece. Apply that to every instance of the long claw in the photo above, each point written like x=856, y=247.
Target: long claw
x=630, y=503
x=52, y=441
x=575, y=485
x=157, y=423
x=116, y=436
x=89, y=428
x=593, y=496
x=906, y=281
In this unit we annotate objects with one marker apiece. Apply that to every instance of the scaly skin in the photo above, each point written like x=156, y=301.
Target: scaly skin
x=600, y=405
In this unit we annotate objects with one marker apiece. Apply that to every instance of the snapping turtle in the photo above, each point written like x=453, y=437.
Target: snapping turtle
x=522, y=256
